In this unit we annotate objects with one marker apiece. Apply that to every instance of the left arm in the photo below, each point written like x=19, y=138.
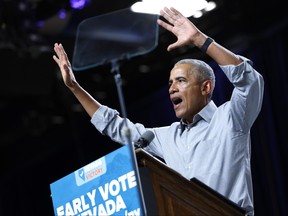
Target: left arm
x=188, y=34
x=247, y=96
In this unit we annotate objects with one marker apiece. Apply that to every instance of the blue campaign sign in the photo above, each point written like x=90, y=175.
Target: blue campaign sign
x=106, y=186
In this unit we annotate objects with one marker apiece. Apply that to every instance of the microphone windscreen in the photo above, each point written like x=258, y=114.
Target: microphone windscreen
x=148, y=136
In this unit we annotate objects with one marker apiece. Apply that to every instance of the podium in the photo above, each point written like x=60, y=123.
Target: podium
x=176, y=195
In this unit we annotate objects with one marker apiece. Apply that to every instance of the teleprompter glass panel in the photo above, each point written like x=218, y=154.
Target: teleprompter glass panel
x=114, y=36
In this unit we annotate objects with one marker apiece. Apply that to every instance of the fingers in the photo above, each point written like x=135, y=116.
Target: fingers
x=57, y=49
x=61, y=55
x=172, y=46
x=170, y=12
x=58, y=53
x=56, y=59
x=168, y=15
x=165, y=25
x=176, y=12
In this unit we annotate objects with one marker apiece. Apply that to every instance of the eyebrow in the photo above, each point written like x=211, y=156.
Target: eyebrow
x=176, y=78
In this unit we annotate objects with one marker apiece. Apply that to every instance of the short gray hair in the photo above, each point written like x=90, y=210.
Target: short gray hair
x=201, y=70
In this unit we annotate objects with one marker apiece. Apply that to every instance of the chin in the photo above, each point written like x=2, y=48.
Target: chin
x=179, y=115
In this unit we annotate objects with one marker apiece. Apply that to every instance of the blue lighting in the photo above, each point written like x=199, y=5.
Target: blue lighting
x=62, y=14
x=78, y=4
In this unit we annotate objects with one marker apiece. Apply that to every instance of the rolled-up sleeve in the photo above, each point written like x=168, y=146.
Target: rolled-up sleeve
x=247, y=96
x=102, y=117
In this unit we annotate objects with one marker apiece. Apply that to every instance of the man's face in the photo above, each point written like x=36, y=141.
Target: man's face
x=185, y=92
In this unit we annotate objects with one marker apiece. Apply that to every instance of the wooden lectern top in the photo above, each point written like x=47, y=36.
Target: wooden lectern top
x=176, y=195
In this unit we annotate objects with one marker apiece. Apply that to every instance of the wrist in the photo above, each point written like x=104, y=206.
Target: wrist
x=206, y=44
x=73, y=86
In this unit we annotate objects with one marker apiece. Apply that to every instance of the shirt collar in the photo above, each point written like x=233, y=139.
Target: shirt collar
x=206, y=114
x=208, y=111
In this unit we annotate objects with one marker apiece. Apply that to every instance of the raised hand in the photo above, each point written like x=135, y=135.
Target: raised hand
x=64, y=65
x=180, y=26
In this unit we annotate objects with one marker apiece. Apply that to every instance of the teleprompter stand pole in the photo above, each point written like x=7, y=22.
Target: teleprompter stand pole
x=118, y=81
x=117, y=77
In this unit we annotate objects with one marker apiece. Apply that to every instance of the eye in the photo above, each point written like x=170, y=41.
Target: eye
x=181, y=80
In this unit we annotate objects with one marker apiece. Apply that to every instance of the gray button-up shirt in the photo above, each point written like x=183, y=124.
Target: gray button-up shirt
x=215, y=147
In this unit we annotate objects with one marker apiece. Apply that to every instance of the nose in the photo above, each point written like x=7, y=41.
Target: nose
x=172, y=89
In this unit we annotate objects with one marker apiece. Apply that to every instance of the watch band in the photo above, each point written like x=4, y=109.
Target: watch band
x=206, y=44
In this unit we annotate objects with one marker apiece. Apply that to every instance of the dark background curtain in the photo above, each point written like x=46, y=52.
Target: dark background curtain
x=269, y=133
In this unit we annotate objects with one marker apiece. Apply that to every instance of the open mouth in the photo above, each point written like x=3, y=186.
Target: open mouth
x=176, y=101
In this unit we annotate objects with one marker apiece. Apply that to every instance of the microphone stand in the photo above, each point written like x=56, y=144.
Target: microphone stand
x=118, y=81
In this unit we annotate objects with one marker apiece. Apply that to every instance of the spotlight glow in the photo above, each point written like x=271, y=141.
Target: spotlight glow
x=186, y=7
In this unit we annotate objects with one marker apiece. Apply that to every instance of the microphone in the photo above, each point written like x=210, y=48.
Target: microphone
x=144, y=140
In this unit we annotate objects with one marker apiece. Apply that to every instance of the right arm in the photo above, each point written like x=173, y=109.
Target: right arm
x=86, y=100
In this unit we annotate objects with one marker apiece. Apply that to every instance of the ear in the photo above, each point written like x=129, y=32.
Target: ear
x=206, y=87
